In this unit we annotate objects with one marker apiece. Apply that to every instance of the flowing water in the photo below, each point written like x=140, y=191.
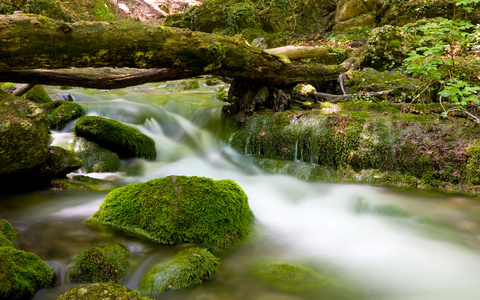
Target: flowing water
x=434, y=254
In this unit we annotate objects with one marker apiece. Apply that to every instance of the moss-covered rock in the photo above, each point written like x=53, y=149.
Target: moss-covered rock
x=179, y=209
x=63, y=112
x=401, y=86
x=59, y=163
x=95, y=291
x=22, y=274
x=387, y=47
x=124, y=140
x=8, y=234
x=38, y=95
x=186, y=270
x=80, y=182
x=96, y=158
x=108, y=264
x=473, y=167
x=297, y=279
x=23, y=135
x=423, y=152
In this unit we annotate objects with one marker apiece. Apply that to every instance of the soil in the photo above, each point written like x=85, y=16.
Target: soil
x=151, y=11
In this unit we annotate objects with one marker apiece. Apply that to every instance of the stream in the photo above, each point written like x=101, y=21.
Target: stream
x=433, y=254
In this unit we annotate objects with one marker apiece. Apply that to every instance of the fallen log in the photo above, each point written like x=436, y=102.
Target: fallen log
x=30, y=42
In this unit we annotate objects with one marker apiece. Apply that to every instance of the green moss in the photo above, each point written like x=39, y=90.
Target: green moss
x=390, y=210
x=186, y=270
x=22, y=274
x=96, y=264
x=80, y=182
x=95, y=291
x=189, y=85
x=472, y=175
x=297, y=279
x=38, y=95
x=50, y=9
x=8, y=234
x=124, y=140
x=64, y=112
x=179, y=209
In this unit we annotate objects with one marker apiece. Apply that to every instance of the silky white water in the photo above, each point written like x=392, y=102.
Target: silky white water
x=307, y=222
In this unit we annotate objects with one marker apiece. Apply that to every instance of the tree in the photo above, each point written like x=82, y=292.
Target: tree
x=34, y=48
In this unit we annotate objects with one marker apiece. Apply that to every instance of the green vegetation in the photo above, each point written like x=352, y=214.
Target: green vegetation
x=8, y=234
x=95, y=291
x=300, y=280
x=186, y=270
x=124, y=140
x=108, y=264
x=38, y=95
x=63, y=112
x=179, y=209
x=22, y=274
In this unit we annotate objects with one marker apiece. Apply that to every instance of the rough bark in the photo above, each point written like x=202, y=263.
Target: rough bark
x=31, y=42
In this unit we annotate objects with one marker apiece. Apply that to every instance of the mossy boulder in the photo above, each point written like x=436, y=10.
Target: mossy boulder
x=108, y=264
x=96, y=158
x=186, y=270
x=179, y=209
x=22, y=274
x=8, y=234
x=95, y=291
x=23, y=135
x=63, y=112
x=59, y=163
x=400, y=85
x=387, y=47
x=300, y=280
x=126, y=141
x=38, y=95
x=473, y=166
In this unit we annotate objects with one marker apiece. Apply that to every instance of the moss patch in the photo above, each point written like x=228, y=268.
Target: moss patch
x=179, y=209
x=124, y=140
x=63, y=112
x=8, y=234
x=38, y=95
x=96, y=264
x=95, y=291
x=22, y=274
x=186, y=270
x=297, y=279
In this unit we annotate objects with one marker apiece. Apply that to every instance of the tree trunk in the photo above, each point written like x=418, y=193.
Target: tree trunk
x=29, y=42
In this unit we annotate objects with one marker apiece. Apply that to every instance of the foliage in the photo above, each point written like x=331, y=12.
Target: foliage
x=47, y=8
x=179, y=209
x=102, y=11
x=96, y=264
x=22, y=274
x=186, y=270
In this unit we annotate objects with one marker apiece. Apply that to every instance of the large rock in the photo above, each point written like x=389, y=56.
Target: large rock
x=23, y=135
x=186, y=270
x=101, y=291
x=63, y=112
x=108, y=264
x=126, y=141
x=179, y=209
x=22, y=274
